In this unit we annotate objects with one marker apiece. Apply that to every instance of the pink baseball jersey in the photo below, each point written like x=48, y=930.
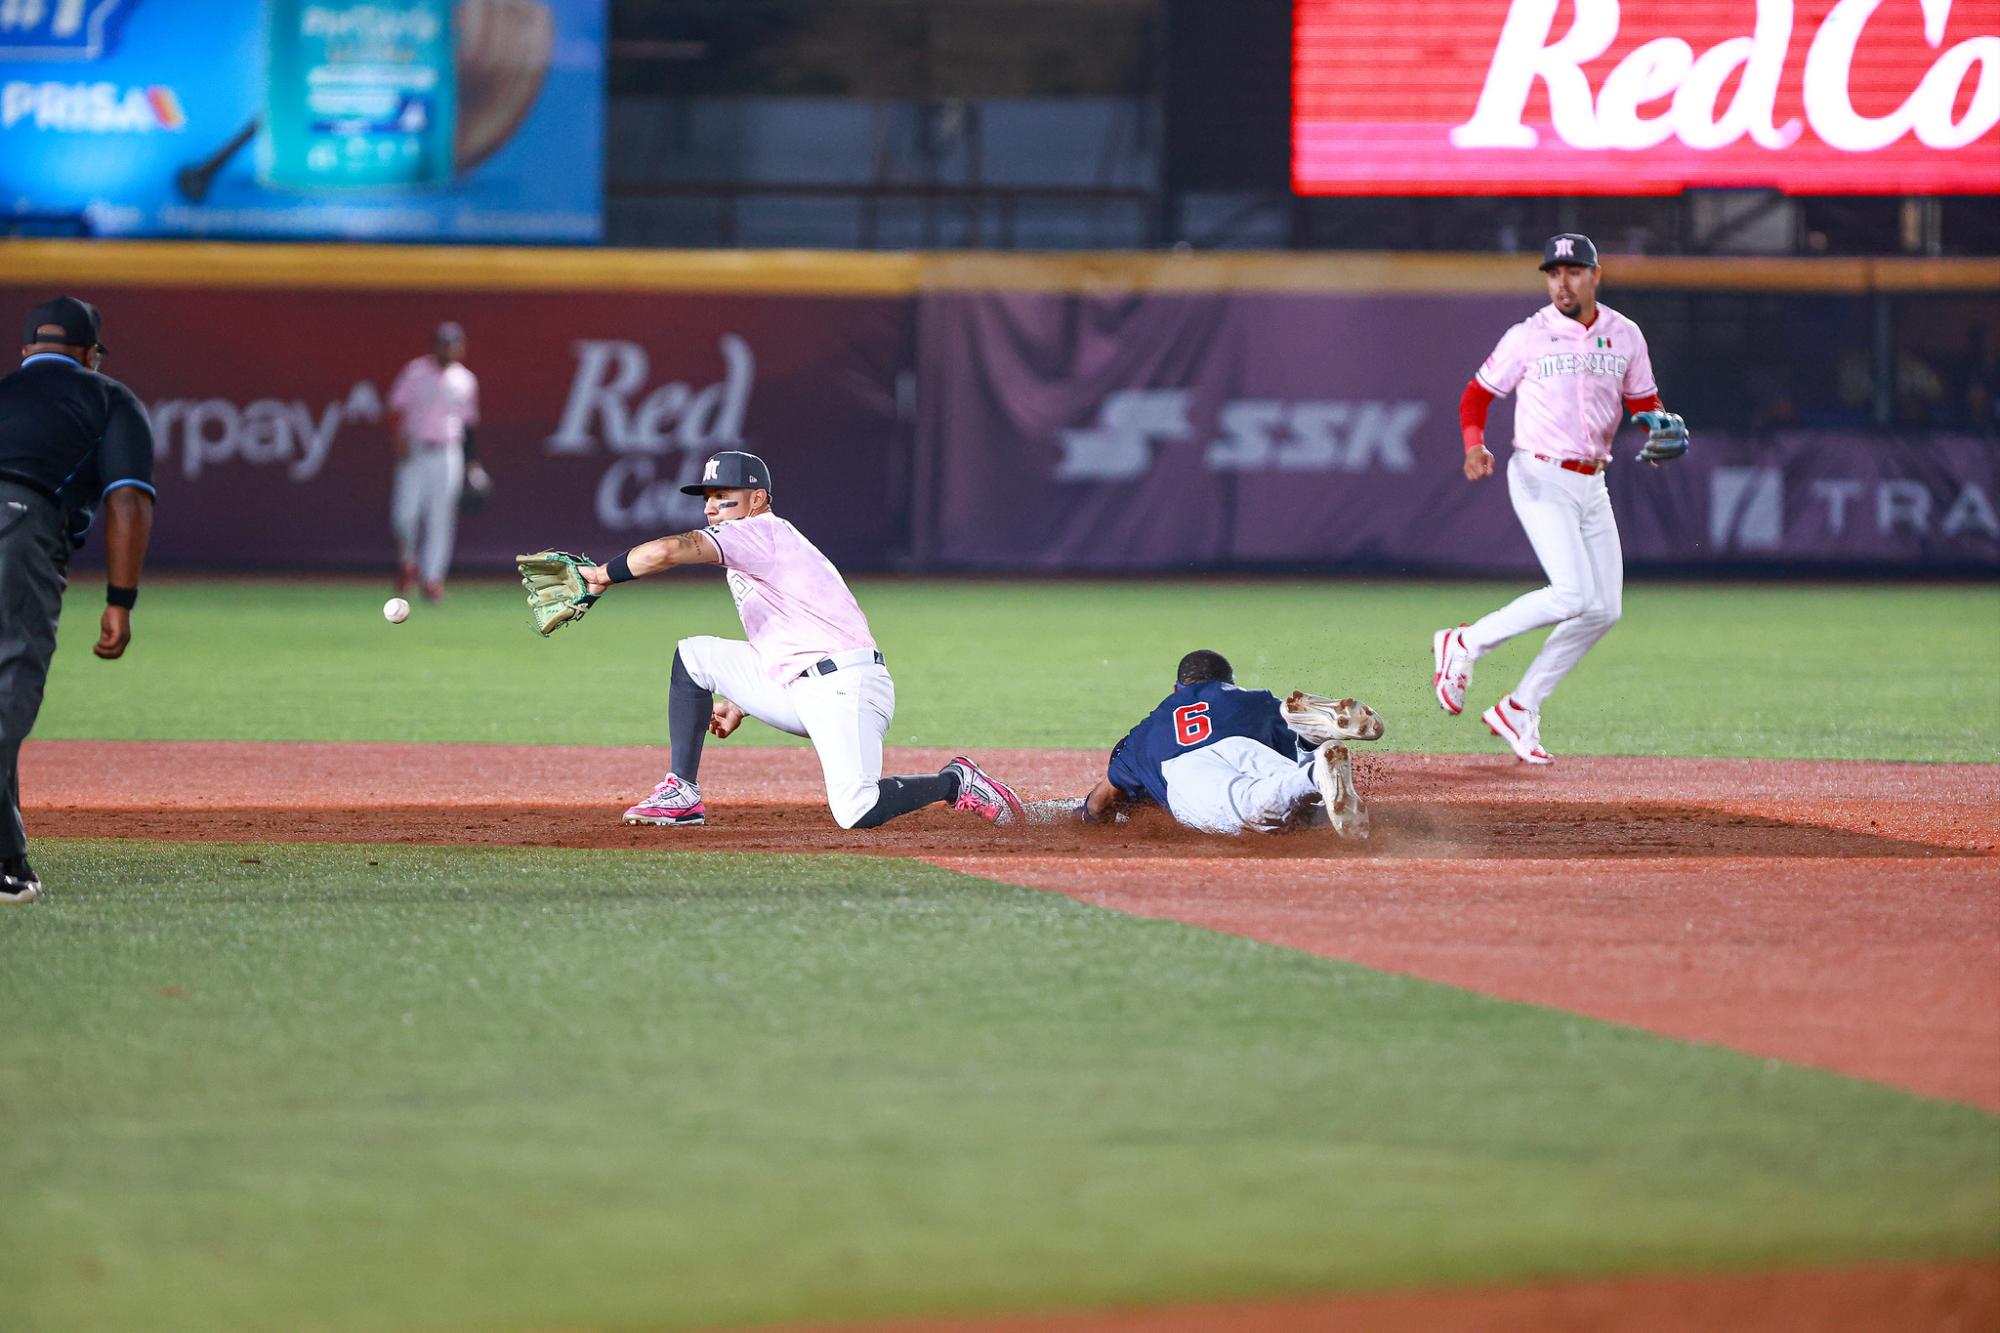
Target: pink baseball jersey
x=1573, y=380
x=795, y=607
x=437, y=402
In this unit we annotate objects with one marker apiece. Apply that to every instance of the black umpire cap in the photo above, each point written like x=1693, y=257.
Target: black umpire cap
x=78, y=321
x=1569, y=247
x=728, y=470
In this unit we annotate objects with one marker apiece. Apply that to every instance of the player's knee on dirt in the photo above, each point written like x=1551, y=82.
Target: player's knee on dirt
x=851, y=805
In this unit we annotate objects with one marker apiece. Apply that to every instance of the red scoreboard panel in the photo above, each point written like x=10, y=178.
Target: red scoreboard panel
x=1645, y=96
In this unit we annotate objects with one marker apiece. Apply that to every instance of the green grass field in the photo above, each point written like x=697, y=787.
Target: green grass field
x=1756, y=670
x=354, y=1088
x=363, y=1088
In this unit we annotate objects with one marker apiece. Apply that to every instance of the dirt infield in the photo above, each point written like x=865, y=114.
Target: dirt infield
x=1840, y=915
x=1928, y=1298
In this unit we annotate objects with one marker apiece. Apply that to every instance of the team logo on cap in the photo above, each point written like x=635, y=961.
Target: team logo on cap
x=1565, y=247
x=713, y=470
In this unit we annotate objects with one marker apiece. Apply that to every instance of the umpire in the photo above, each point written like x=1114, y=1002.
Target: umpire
x=69, y=438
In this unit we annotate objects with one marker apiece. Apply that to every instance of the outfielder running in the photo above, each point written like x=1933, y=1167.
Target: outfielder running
x=1223, y=759
x=1580, y=366
x=810, y=666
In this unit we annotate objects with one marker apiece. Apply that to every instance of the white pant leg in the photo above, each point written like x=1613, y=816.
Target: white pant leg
x=444, y=479
x=1570, y=640
x=1550, y=502
x=406, y=498
x=1236, y=785
x=847, y=713
x=732, y=669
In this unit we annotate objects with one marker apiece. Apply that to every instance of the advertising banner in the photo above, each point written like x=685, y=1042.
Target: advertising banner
x=462, y=120
x=1625, y=97
x=1171, y=433
x=273, y=451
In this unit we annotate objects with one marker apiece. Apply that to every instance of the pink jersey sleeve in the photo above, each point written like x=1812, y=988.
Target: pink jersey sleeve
x=1639, y=370
x=1504, y=369
x=399, y=392
x=746, y=544
x=472, y=400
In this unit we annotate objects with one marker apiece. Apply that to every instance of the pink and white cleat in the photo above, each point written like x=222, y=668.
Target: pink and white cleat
x=672, y=802
x=985, y=795
x=1454, y=669
x=1520, y=728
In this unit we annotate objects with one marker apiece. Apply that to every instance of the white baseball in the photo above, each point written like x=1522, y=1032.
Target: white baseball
x=395, y=610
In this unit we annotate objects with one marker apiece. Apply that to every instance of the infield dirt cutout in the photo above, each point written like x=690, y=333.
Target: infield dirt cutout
x=1834, y=914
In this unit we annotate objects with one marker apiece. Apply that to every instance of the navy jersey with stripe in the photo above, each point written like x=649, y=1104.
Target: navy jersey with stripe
x=1191, y=718
x=73, y=435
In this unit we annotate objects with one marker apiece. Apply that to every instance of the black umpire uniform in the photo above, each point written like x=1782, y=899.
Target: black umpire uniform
x=70, y=440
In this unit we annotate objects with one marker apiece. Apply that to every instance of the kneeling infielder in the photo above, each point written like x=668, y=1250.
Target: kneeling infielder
x=810, y=666
x=1227, y=760
x=1580, y=367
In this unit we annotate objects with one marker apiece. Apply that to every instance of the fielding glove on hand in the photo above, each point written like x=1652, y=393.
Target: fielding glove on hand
x=1666, y=436
x=557, y=593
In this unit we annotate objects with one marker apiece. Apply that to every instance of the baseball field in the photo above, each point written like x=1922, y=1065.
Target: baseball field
x=353, y=1005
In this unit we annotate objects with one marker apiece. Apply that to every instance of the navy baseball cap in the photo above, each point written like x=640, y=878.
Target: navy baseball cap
x=78, y=321
x=728, y=470
x=449, y=332
x=1569, y=247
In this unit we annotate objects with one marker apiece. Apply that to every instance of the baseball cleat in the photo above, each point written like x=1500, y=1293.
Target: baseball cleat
x=1520, y=728
x=1333, y=774
x=18, y=881
x=985, y=795
x=1318, y=719
x=672, y=802
x=1454, y=669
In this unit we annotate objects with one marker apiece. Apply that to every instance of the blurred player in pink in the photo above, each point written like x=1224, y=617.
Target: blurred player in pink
x=435, y=402
x=1580, y=367
x=809, y=667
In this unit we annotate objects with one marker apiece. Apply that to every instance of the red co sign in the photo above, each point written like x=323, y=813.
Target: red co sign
x=1646, y=96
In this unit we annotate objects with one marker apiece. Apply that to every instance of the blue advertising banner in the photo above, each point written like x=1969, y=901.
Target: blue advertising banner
x=407, y=120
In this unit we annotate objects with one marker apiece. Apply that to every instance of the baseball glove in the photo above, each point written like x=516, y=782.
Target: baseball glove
x=1666, y=436
x=556, y=590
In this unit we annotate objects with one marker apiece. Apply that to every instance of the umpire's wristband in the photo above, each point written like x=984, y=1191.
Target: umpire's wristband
x=620, y=568
x=117, y=596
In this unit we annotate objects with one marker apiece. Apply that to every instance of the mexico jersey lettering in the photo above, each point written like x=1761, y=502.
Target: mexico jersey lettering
x=1192, y=718
x=1573, y=381
x=794, y=605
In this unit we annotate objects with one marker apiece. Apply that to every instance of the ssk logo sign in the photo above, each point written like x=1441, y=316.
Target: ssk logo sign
x=1248, y=435
x=1648, y=96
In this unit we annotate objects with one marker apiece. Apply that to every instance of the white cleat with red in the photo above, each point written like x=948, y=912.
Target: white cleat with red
x=1520, y=728
x=1454, y=669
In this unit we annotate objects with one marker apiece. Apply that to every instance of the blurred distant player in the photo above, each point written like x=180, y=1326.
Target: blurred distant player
x=1227, y=760
x=1580, y=367
x=435, y=407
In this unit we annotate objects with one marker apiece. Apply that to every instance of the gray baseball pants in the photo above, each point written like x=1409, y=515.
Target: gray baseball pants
x=34, y=555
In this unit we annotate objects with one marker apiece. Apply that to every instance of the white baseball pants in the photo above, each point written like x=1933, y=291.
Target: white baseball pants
x=844, y=714
x=1236, y=785
x=1568, y=519
x=423, y=508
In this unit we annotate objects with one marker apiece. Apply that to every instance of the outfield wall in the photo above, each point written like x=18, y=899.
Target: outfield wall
x=962, y=412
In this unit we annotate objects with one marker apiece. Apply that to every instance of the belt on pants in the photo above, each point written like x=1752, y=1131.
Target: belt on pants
x=1573, y=464
x=826, y=666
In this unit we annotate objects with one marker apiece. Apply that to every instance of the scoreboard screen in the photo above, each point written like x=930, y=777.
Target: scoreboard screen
x=1570, y=97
